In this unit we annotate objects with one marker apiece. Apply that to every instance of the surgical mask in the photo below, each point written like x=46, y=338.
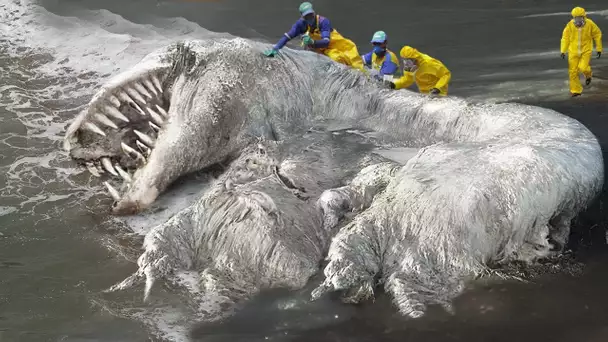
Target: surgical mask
x=409, y=65
x=579, y=21
x=379, y=50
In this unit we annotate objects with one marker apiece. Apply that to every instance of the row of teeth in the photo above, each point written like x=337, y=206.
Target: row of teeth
x=131, y=94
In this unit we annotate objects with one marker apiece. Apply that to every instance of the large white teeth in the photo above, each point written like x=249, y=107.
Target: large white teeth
x=156, y=83
x=150, y=86
x=123, y=173
x=113, y=192
x=104, y=120
x=140, y=88
x=93, y=128
x=162, y=111
x=115, y=113
x=155, y=117
x=107, y=164
x=114, y=101
x=143, y=148
x=92, y=169
x=131, y=151
x=154, y=127
x=145, y=138
x=136, y=106
x=126, y=98
x=134, y=94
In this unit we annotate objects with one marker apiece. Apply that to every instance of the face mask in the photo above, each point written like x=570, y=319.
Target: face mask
x=379, y=50
x=579, y=21
x=409, y=65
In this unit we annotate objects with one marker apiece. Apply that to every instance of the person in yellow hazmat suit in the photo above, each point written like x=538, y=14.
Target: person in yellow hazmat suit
x=321, y=37
x=577, y=41
x=381, y=60
x=429, y=74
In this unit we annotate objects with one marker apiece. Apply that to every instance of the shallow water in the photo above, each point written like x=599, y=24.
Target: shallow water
x=59, y=248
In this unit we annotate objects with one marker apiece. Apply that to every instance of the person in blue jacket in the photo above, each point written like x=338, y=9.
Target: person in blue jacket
x=381, y=60
x=319, y=36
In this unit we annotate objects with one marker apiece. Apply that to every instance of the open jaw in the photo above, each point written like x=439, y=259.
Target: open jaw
x=115, y=136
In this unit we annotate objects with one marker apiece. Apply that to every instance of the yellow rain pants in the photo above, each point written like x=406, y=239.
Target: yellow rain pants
x=578, y=43
x=340, y=49
x=431, y=73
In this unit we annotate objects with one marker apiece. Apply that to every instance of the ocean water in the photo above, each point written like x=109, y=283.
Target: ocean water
x=59, y=247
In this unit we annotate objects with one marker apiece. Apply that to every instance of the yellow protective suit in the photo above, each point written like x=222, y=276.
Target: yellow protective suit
x=578, y=43
x=340, y=49
x=431, y=73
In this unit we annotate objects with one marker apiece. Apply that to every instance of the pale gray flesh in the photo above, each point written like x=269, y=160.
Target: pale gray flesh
x=491, y=183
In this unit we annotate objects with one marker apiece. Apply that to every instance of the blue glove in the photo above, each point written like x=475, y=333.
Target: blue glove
x=306, y=40
x=271, y=53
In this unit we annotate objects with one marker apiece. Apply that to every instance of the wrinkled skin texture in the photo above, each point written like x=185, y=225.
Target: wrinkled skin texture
x=492, y=183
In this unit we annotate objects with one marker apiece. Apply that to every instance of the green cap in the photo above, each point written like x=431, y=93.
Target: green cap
x=306, y=8
x=379, y=37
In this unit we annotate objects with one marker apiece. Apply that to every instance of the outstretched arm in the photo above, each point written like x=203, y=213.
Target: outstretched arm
x=297, y=29
x=404, y=81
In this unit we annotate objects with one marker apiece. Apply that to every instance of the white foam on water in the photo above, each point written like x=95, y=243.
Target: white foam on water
x=7, y=210
x=57, y=63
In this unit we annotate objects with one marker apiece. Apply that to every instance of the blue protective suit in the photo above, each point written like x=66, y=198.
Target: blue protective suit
x=327, y=41
x=385, y=66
